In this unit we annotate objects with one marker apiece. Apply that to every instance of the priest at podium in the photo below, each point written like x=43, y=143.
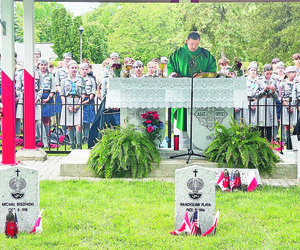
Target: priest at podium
x=188, y=61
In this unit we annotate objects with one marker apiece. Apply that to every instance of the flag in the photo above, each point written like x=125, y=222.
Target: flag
x=231, y=181
x=186, y=226
x=214, y=227
x=38, y=224
x=223, y=182
x=16, y=224
x=252, y=183
x=195, y=228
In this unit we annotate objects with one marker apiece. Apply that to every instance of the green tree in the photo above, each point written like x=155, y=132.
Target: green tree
x=60, y=29
x=144, y=38
x=42, y=21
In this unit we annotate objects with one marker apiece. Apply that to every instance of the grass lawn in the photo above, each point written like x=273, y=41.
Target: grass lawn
x=115, y=214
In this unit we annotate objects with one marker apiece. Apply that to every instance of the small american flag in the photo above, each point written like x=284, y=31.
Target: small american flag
x=195, y=224
x=231, y=181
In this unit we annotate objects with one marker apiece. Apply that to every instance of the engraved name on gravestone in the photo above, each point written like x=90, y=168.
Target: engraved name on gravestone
x=195, y=190
x=19, y=192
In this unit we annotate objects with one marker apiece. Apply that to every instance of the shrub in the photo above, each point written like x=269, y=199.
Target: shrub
x=241, y=146
x=123, y=152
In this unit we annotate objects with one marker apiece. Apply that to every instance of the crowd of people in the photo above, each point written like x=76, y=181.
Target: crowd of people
x=66, y=95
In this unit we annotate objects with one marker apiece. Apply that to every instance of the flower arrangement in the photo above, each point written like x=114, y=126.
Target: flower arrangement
x=116, y=68
x=153, y=126
x=237, y=67
x=277, y=145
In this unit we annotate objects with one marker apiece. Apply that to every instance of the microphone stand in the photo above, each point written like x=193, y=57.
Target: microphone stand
x=190, y=150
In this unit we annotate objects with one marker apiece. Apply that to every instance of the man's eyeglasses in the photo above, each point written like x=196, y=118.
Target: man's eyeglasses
x=136, y=67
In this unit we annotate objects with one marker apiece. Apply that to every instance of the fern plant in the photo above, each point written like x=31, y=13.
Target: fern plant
x=241, y=146
x=123, y=152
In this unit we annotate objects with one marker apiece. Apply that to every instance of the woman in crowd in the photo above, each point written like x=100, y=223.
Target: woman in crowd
x=289, y=114
x=266, y=100
x=88, y=100
x=249, y=114
x=60, y=75
x=296, y=61
x=278, y=77
x=223, y=62
x=71, y=92
x=48, y=94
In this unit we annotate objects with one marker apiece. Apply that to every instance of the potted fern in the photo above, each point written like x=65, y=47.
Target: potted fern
x=123, y=152
x=241, y=146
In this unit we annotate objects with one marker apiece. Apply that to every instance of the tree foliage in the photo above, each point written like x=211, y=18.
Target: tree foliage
x=60, y=29
x=42, y=21
x=249, y=31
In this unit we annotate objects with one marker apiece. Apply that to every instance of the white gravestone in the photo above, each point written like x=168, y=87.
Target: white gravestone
x=203, y=122
x=195, y=190
x=19, y=192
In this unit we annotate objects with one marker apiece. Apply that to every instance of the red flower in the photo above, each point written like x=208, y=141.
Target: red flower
x=155, y=116
x=150, y=129
x=148, y=121
x=149, y=113
x=144, y=116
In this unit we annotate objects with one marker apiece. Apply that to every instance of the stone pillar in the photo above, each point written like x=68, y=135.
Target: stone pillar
x=29, y=91
x=8, y=85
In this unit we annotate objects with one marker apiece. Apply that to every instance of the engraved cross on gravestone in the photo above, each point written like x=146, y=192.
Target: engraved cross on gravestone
x=195, y=190
x=19, y=192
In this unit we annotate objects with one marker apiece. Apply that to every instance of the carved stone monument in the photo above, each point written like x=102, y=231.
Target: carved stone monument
x=203, y=122
x=19, y=193
x=195, y=190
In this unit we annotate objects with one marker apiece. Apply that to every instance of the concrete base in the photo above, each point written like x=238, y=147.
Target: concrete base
x=37, y=154
x=75, y=164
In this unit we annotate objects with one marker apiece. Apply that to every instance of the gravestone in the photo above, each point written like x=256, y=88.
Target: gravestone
x=19, y=192
x=203, y=122
x=195, y=190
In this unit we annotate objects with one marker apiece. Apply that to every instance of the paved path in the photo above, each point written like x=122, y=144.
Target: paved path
x=50, y=170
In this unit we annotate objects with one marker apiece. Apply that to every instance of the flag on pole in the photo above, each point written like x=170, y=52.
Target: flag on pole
x=252, y=183
x=186, y=226
x=38, y=224
x=214, y=227
x=195, y=228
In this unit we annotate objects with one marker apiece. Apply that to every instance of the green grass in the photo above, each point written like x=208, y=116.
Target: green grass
x=115, y=214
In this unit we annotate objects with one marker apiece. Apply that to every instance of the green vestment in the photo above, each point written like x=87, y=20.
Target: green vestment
x=187, y=63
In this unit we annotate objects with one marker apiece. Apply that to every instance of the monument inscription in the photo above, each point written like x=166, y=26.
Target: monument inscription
x=195, y=190
x=19, y=193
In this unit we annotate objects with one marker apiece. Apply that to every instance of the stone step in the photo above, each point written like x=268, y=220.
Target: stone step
x=75, y=165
